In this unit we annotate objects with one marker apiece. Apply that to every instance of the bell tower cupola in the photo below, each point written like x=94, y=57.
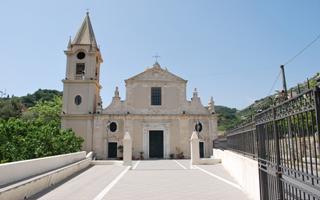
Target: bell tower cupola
x=81, y=86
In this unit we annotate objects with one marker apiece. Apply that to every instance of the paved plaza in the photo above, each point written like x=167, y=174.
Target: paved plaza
x=149, y=179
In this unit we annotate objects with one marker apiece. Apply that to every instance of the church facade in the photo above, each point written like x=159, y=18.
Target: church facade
x=155, y=111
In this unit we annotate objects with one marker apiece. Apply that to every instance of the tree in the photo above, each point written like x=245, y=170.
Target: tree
x=45, y=111
x=36, y=134
x=15, y=106
x=40, y=95
x=10, y=108
x=227, y=117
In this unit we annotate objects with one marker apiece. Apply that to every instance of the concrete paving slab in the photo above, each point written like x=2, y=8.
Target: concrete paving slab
x=219, y=171
x=158, y=165
x=149, y=179
x=165, y=179
x=84, y=186
x=184, y=162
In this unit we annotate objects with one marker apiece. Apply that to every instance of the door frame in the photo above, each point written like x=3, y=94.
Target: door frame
x=166, y=136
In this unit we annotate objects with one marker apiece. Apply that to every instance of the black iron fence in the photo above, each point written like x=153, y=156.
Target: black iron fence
x=220, y=143
x=285, y=140
x=243, y=140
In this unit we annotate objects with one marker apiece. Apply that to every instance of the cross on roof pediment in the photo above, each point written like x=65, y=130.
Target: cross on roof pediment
x=156, y=73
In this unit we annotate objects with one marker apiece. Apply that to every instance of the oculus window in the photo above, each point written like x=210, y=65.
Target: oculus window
x=77, y=100
x=81, y=55
x=112, y=126
x=156, y=96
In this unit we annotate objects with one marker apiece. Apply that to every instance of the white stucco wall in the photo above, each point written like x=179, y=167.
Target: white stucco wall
x=15, y=171
x=26, y=188
x=244, y=170
x=177, y=132
x=86, y=89
x=176, y=115
x=82, y=126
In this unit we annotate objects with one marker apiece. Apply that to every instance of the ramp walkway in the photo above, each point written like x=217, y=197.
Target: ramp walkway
x=148, y=179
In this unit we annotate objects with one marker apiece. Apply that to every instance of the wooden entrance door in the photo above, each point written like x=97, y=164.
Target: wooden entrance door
x=155, y=144
x=201, y=148
x=112, y=150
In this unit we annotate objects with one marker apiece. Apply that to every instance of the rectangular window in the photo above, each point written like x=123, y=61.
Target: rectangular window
x=80, y=67
x=156, y=96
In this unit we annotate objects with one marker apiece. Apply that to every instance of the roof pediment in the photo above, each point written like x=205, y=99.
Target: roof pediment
x=156, y=73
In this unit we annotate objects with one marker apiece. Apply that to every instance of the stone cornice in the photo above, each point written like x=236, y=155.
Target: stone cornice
x=156, y=116
x=74, y=116
x=82, y=82
x=137, y=116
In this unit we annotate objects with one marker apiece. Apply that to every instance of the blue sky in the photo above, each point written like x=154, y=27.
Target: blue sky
x=230, y=50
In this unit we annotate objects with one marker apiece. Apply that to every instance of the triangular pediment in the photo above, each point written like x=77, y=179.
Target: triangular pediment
x=156, y=73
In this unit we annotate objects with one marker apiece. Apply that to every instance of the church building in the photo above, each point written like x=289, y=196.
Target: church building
x=155, y=110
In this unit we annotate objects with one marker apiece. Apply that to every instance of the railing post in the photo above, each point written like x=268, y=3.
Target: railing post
x=255, y=139
x=277, y=154
x=317, y=106
x=317, y=113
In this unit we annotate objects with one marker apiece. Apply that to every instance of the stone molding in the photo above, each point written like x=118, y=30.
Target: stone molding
x=165, y=127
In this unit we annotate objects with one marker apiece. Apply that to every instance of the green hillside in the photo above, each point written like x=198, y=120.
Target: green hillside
x=230, y=118
x=14, y=106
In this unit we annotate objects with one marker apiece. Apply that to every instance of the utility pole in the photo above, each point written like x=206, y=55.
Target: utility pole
x=284, y=82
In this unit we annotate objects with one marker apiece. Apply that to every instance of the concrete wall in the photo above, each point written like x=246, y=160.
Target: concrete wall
x=82, y=126
x=27, y=188
x=243, y=169
x=15, y=171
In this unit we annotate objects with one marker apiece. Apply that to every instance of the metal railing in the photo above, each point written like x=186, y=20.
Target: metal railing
x=79, y=77
x=243, y=140
x=220, y=143
x=285, y=140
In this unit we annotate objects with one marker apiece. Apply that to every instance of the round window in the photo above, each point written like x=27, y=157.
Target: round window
x=113, y=127
x=198, y=127
x=77, y=100
x=81, y=55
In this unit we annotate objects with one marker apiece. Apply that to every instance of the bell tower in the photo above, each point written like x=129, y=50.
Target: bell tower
x=81, y=86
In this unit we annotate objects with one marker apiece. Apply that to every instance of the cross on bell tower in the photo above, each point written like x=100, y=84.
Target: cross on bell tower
x=156, y=57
